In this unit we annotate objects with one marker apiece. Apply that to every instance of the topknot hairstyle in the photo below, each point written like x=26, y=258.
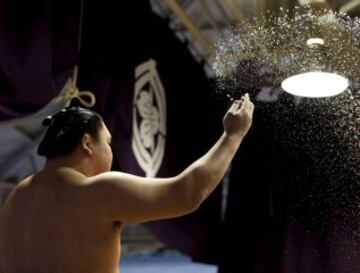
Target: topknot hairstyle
x=66, y=130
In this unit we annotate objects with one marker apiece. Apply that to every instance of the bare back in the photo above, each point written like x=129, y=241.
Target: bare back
x=48, y=225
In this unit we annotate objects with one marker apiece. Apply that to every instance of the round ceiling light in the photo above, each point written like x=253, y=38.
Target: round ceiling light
x=314, y=42
x=261, y=52
x=315, y=84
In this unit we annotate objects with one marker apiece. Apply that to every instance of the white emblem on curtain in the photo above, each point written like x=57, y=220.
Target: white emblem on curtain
x=149, y=118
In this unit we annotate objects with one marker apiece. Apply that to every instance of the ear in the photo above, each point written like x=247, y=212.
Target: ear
x=86, y=144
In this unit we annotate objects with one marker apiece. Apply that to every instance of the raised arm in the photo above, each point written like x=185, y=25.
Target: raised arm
x=124, y=197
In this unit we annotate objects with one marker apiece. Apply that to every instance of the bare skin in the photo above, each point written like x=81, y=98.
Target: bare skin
x=67, y=218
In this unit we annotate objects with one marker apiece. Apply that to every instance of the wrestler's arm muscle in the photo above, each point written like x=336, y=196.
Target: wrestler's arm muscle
x=129, y=198
x=125, y=197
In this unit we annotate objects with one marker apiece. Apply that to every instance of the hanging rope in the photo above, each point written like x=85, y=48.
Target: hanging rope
x=81, y=18
x=86, y=98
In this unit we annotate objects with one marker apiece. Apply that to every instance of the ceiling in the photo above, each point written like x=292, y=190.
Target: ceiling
x=198, y=22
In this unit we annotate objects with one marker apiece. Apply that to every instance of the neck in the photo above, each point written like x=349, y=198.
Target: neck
x=76, y=163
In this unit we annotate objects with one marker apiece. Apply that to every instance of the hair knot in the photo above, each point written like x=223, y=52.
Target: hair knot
x=48, y=121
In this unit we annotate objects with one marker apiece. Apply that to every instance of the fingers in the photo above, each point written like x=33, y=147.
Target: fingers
x=245, y=99
x=235, y=106
x=246, y=102
x=243, y=102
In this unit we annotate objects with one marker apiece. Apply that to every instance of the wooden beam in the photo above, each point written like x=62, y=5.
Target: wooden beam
x=212, y=20
x=188, y=23
x=234, y=8
x=349, y=6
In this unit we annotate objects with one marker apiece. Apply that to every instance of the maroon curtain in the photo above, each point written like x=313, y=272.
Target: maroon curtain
x=282, y=214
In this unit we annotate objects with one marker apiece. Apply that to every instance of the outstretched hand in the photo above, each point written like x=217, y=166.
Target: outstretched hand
x=237, y=121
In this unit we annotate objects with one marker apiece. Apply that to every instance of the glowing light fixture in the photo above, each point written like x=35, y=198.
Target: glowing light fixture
x=315, y=84
x=309, y=52
x=310, y=2
x=314, y=42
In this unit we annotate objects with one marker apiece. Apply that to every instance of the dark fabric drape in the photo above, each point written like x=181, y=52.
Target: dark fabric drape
x=37, y=52
x=114, y=47
x=282, y=214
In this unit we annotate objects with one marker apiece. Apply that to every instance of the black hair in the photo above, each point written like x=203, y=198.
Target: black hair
x=66, y=130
